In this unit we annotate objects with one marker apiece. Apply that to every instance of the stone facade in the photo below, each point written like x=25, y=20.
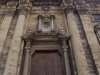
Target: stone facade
x=72, y=27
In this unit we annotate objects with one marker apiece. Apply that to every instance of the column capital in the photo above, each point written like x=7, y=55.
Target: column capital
x=27, y=49
x=65, y=48
x=64, y=45
x=23, y=12
x=68, y=8
x=24, y=7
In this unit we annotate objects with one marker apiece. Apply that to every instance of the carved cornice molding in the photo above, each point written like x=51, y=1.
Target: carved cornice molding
x=45, y=36
x=57, y=32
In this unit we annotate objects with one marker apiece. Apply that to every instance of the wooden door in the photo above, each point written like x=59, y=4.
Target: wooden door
x=46, y=63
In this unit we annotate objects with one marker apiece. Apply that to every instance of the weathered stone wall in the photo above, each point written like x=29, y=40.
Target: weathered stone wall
x=5, y=51
x=92, y=40
x=85, y=45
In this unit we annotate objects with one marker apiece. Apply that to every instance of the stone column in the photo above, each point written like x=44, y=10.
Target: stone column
x=26, y=64
x=8, y=15
x=13, y=56
x=65, y=50
x=80, y=59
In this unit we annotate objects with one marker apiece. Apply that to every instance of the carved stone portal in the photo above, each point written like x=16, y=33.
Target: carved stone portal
x=37, y=40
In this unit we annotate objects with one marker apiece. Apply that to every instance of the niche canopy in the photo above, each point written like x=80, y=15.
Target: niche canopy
x=46, y=2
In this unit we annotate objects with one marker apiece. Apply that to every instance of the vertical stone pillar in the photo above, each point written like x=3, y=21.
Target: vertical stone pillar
x=52, y=22
x=13, y=56
x=26, y=64
x=80, y=59
x=9, y=13
x=65, y=50
x=40, y=22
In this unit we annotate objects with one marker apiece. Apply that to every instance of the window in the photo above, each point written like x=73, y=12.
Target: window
x=96, y=17
x=97, y=31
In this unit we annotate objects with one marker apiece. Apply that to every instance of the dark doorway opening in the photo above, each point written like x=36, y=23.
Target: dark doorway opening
x=47, y=63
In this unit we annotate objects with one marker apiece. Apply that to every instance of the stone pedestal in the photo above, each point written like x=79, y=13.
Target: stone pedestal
x=13, y=56
x=80, y=59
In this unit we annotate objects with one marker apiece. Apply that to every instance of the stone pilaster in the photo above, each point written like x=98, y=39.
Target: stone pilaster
x=79, y=55
x=52, y=22
x=65, y=50
x=13, y=56
x=26, y=64
x=91, y=38
x=9, y=13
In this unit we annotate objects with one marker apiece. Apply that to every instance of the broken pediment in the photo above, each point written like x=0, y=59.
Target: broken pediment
x=45, y=36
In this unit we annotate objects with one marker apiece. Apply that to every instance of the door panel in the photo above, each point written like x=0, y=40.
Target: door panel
x=46, y=63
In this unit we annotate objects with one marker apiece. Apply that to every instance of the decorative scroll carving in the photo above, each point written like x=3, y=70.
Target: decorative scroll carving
x=46, y=23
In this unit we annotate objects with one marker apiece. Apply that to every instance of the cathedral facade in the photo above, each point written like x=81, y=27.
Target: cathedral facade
x=49, y=37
